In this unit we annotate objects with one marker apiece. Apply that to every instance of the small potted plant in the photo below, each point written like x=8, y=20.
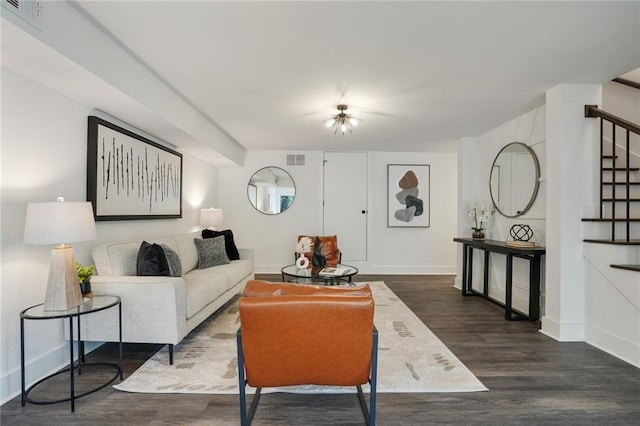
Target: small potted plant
x=84, y=277
x=480, y=216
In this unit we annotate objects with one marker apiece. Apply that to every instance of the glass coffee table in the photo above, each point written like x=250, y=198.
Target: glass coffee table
x=315, y=275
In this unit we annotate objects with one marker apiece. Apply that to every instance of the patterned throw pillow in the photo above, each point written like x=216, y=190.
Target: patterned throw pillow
x=175, y=265
x=211, y=252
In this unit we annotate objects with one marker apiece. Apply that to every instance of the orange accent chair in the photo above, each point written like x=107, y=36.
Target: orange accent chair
x=328, y=248
x=296, y=334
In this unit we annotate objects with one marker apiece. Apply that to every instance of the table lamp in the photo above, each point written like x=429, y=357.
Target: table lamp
x=210, y=218
x=60, y=223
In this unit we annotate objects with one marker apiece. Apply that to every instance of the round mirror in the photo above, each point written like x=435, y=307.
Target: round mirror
x=271, y=190
x=514, y=179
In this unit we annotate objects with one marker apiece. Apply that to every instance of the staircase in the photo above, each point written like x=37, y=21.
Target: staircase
x=619, y=206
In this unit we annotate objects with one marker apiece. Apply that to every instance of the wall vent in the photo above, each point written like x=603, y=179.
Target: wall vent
x=295, y=159
x=28, y=10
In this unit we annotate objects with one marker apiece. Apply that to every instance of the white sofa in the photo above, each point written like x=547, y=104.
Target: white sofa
x=160, y=309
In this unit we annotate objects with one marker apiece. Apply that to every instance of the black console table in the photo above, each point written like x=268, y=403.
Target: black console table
x=533, y=255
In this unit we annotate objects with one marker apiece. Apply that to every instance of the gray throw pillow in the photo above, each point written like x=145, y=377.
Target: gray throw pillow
x=175, y=265
x=211, y=252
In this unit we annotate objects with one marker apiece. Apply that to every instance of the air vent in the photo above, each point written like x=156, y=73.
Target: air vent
x=28, y=10
x=295, y=159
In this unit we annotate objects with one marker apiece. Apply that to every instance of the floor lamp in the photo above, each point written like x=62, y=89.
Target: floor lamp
x=210, y=218
x=60, y=223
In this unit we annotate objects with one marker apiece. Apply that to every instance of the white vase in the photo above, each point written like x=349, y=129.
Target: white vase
x=302, y=262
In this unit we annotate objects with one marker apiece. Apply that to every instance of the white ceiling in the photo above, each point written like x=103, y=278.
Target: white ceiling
x=417, y=73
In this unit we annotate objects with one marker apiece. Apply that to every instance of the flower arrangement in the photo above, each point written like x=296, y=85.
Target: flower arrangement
x=480, y=216
x=304, y=245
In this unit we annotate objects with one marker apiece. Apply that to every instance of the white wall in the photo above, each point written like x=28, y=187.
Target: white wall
x=390, y=250
x=477, y=156
x=44, y=156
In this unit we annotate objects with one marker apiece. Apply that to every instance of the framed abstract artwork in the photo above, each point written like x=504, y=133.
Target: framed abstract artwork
x=130, y=177
x=408, y=195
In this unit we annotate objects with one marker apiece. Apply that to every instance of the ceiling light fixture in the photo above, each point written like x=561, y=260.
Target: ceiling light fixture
x=341, y=121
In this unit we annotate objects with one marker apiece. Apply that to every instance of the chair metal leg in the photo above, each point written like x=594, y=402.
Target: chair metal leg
x=241, y=381
x=363, y=406
x=373, y=381
x=254, y=405
x=245, y=418
x=170, y=354
x=370, y=413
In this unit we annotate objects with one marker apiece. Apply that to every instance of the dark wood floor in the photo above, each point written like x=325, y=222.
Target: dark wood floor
x=532, y=379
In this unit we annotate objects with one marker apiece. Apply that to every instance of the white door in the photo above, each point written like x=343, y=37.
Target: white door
x=345, y=202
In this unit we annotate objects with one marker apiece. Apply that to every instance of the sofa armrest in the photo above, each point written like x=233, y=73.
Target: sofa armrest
x=153, y=309
x=246, y=254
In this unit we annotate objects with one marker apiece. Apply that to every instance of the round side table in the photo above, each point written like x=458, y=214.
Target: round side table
x=88, y=306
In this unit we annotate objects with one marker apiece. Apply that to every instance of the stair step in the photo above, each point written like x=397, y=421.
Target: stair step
x=621, y=183
x=612, y=242
x=608, y=219
x=621, y=169
x=627, y=267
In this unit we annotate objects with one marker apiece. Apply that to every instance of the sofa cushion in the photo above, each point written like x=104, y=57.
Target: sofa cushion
x=236, y=270
x=211, y=252
x=203, y=287
x=151, y=260
x=122, y=258
x=187, y=251
x=229, y=243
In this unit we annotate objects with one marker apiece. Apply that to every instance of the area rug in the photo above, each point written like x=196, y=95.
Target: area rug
x=411, y=358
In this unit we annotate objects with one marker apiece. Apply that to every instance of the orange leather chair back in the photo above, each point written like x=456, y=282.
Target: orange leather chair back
x=295, y=339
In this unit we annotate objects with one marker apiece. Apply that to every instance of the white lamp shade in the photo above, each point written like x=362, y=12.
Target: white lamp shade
x=211, y=217
x=59, y=223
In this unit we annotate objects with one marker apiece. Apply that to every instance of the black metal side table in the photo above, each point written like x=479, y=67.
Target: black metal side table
x=37, y=312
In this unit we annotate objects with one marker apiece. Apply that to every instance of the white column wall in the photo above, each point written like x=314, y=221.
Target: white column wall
x=570, y=188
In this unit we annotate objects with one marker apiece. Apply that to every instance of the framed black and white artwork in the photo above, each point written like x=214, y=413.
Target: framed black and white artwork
x=130, y=177
x=408, y=195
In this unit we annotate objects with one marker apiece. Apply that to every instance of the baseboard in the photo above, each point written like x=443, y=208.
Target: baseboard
x=457, y=282
x=615, y=345
x=38, y=368
x=563, y=332
x=35, y=369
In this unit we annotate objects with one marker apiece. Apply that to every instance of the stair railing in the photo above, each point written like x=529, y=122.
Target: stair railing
x=592, y=111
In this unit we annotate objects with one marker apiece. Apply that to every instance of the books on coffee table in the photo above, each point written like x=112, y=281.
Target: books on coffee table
x=334, y=271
